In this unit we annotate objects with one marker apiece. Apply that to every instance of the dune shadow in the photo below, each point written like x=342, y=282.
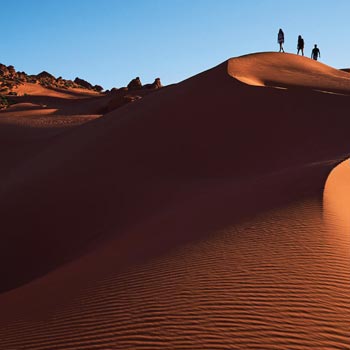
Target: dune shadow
x=305, y=89
x=76, y=106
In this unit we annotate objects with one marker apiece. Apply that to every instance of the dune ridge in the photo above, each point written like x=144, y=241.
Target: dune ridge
x=288, y=70
x=110, y=203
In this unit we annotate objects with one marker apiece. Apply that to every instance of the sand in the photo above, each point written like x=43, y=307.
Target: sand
x=193, y=218
x=33, y=89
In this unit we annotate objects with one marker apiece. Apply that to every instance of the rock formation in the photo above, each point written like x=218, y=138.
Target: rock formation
x=10, y=79
x=135, y=84
x=83, y=83
x=98, y=88
x=45, y=75
x=155, y=85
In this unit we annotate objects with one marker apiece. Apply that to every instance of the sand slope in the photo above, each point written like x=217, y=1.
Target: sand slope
x=39, y=90
x=39, y=116
x=288, y=70
x=195, y=159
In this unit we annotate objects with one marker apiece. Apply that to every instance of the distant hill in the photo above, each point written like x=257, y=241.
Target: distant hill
x=10, y=79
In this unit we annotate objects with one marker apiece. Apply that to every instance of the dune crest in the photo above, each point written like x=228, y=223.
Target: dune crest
x=288, y=70
x=336, y=198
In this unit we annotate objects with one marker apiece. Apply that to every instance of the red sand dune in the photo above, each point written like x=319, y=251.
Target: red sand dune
x=291, y=71
x=30, y=125
x=39, y=90
x=188, y=219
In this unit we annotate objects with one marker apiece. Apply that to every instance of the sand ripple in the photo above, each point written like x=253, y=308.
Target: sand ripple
x=280, y=281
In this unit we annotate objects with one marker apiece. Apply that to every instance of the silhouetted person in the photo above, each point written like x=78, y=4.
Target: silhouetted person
x=315, y=54
x=300, y=45
x=280, y=39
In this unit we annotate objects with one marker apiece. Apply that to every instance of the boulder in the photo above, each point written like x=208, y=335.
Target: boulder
x=11, y=70
x=83, y=83
x=45, y=75
x=98, y=88
x=3, y=70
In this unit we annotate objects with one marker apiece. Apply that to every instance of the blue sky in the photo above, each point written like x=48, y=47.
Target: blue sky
x=109, y=42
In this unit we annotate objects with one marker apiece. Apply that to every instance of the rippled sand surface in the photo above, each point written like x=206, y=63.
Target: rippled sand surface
x=279, y=281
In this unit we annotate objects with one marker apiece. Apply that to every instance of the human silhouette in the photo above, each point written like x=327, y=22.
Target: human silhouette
x=315, y=54
x=280, y=39
x=300, y=45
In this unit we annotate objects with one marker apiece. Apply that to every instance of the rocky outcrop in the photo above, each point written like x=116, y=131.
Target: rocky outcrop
x=83, y=83
x=155, y=85
x=45, y=75
x=3, y=102
x=7, y=71
x=98, y=88
x=133, y=92
x=135, y=84
x=10, y=79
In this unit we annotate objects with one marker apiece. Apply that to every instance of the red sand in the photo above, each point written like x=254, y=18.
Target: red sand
x=108, y=204
x=39, y=90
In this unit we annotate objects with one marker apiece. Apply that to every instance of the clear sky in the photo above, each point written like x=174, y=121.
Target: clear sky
x=109, y=42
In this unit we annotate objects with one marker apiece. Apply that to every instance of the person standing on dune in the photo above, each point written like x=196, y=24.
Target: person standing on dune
x=315, y=54
x=280, y=39
x=300, y=46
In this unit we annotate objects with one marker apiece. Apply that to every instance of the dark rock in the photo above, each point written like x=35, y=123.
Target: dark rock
x=45, y=75
x=98, y=88
x=3, y=102
x=4, y=71
x=83, y=83
x=11, y=70
x=135, y=84
x=155, y=85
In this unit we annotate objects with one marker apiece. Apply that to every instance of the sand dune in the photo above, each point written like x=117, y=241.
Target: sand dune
x=40, y=116
x=288, y=70
x=277, y=282
x=189, y=219
x=39, y=90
